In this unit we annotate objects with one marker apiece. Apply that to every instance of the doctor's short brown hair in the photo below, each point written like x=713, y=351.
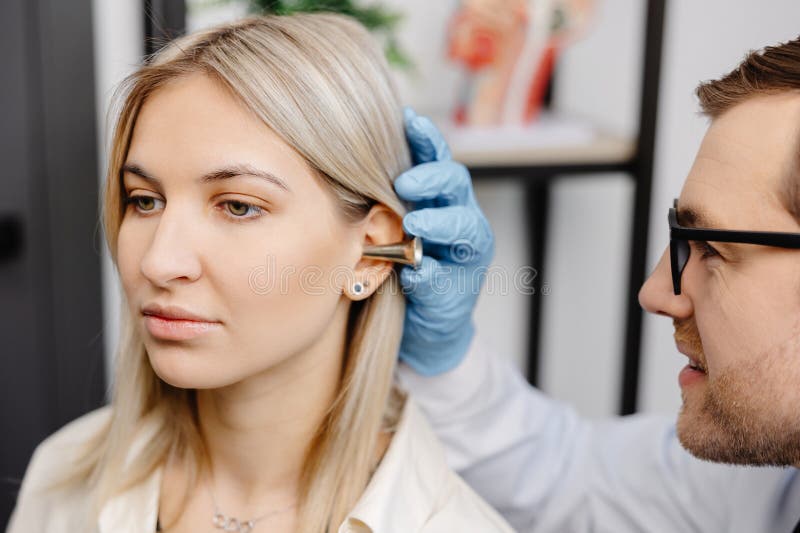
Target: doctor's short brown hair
x=772, y=70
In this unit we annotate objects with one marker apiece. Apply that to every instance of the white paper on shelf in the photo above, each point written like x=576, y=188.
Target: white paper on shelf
x=549, y=131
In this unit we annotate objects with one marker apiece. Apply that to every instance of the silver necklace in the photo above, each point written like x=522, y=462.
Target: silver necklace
x=229, y=523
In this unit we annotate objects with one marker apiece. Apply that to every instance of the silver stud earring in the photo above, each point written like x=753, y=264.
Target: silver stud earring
x=358, y=288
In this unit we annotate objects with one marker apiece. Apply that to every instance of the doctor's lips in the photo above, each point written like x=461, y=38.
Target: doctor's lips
x=695, y=361
x=175, y=323
x=687, y=340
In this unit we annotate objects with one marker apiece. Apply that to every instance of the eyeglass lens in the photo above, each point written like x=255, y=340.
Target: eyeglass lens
x=679, y=256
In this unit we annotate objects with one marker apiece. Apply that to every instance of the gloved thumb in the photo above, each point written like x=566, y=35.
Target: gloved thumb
x=425, y=140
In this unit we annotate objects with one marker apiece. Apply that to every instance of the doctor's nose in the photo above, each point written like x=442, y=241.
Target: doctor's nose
x=172, y=256
x=657, y=295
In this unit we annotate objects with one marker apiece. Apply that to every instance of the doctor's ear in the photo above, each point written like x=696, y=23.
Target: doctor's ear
x=380, y=226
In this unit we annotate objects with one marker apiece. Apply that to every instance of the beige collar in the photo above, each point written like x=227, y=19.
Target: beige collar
x=401, y=496
x=136, y=509
x=406, y=488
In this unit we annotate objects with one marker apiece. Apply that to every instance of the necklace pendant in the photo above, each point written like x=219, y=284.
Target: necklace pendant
x=224, y=523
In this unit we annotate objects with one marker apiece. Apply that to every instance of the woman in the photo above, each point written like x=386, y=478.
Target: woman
x=250, y=165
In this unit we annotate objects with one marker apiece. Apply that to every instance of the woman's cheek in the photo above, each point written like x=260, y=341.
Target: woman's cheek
x=128, y=257
x=292, y=283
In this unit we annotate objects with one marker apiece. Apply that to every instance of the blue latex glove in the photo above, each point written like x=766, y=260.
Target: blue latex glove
x=458, y=244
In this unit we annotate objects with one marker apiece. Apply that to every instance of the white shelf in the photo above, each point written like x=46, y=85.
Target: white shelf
x=552, y=140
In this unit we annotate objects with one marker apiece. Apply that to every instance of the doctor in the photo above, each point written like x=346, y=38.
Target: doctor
x=734, y=299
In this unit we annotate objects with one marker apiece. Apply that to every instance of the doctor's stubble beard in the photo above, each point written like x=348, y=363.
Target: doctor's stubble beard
x=742, y=415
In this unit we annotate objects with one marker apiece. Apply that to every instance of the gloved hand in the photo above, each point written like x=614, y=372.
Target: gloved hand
x=458, y=245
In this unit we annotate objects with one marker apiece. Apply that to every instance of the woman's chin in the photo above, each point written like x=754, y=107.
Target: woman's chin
x=188, y=374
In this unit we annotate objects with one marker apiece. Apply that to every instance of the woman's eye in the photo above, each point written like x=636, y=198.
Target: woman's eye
x=240, y=209
x=142, y=203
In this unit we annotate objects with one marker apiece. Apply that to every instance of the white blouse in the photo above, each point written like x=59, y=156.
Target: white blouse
x=412, y=490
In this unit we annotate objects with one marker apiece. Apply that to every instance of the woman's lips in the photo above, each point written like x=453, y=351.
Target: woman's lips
x=177, y=329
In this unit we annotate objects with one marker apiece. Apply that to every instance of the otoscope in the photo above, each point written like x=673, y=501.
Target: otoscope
x=405, y=252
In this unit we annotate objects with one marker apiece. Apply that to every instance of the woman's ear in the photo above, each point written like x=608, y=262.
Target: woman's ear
x=380, y=226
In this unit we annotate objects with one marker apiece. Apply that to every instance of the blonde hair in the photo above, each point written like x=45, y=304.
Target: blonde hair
x=320, y=83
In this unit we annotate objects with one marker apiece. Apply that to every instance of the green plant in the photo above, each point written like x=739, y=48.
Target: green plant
x=374, y=17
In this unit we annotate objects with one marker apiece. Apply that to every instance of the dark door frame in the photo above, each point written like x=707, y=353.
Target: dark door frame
x=163, y=20
x=51, y=360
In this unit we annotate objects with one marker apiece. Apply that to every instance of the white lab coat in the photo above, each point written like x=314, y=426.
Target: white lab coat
x=547, y=470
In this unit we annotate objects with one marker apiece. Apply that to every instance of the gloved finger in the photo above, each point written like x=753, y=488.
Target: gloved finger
x=425, y=140
x=429, y=284
x=444, y=182
x=462, y=253
x=458, y=226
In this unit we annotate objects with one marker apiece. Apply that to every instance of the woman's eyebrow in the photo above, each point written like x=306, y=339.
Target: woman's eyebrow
x=242, y=170
x=219, y=174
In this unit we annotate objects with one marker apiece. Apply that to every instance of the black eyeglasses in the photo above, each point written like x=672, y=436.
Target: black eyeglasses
x=679, y=237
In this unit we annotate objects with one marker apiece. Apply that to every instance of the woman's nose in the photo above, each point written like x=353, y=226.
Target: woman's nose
x=172, y=254
x=658, y=296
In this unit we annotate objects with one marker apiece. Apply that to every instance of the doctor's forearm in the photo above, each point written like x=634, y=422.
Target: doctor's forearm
x=509, y=441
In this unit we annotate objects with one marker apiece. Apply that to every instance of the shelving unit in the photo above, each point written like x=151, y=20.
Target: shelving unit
x=537, y=168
